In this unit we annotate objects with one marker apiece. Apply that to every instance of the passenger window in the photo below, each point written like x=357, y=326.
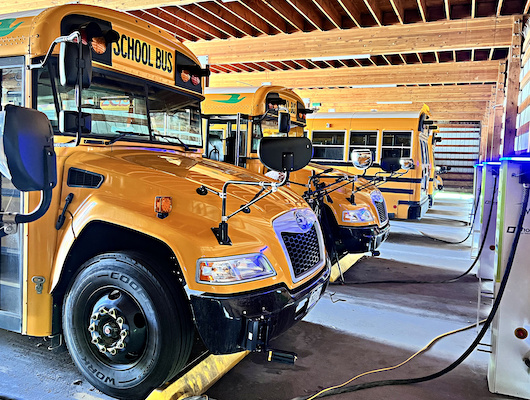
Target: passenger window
x=328, y=145
x=363, y=140
x=396, y=144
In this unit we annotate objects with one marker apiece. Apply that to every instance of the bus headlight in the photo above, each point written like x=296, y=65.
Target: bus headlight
x=361, y=215
x=377, y=196
x=229, y=270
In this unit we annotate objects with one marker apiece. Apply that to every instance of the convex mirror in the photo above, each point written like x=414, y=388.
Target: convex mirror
x=362, y=159
x=285, y=154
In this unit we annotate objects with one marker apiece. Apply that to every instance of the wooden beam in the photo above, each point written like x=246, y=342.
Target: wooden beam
x=227, y=17
x=422, y=6
x=352, y=9
x=399, y=9
x=499, y=7
x=494, y=142
x=447, y=8
x=307, y=12
x=165, y=24
x=375, y=10
x=439, y=94
x=330, y=12
x=462, y=72
x=122, y=5
x=240, y=11
x=267, y=15
x=285, y=11
x=526, y=7
x=512, y=88
x=200, y=19
x=395, y=39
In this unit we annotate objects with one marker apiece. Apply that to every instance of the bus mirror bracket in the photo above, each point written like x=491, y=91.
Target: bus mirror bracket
x=69, y=122
x=284, y=122
x=278, y=154
x=27, y=158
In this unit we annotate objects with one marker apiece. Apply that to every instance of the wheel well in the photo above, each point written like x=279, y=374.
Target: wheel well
x=101, y=237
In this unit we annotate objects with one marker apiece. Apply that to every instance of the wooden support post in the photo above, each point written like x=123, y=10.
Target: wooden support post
x=512, y=88
x=494, y=136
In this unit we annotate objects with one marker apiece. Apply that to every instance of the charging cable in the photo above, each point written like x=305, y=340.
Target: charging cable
x=424, y=349
x=469, y=350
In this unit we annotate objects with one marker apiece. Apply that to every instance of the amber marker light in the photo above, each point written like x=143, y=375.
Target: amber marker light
x=99, y=45
x=163, y=206
x=185, y=75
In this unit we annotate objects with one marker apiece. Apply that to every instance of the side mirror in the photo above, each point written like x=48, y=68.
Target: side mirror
x=361, y=159
x=27, y=156
x=284, y=122
x=69, y=62
x=68, y=122
x=406, y=163
x=390, y=164
x=285, y=154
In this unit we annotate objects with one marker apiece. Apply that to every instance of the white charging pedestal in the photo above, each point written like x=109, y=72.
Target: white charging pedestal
x=488, y=203
x=509, y=367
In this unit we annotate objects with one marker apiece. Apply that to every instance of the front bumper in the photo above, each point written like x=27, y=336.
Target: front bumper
x=361, y=240
x=228, y=324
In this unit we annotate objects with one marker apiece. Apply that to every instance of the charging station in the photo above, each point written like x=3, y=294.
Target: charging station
x=509, y=367
x=487, y=207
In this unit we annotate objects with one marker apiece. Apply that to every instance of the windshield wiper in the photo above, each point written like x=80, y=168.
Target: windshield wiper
x=122, y=134
x=186, y=147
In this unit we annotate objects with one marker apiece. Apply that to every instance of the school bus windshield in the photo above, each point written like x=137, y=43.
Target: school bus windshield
x=119, y=105
x=268, y=126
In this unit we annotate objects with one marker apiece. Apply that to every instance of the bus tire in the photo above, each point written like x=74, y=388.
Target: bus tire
x=126, y=328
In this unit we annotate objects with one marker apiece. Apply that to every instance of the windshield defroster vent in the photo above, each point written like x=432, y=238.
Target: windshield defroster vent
x=84, y=179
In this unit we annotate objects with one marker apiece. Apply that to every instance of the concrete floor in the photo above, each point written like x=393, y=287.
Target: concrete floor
x=353, y=329
x=357, y=328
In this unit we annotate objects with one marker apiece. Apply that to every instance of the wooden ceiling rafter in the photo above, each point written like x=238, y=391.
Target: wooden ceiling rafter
x=351, y=8
x=197, y=20
x=265, y=14
x=332, y=14
x=224, y=14
x=287, y=13
x=399, y=9
x=162, y=23
x=311, y=15
x=447, y=9
x=376, y=12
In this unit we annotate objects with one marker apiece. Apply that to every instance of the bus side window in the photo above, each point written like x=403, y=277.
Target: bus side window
x=328, y=145
x=396, y=144
x=361, y=140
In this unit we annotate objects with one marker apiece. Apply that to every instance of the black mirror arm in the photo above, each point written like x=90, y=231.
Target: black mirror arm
x=12, y=220
x=221, y=232
x=61, y=39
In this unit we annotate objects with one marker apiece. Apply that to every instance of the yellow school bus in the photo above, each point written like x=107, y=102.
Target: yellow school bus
x=435, y=180
x=388, y=135
x=141, y=243
x=355, y=219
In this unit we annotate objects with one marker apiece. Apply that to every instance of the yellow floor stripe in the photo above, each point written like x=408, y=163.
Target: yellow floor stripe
x=345, y=264
x=199, y=379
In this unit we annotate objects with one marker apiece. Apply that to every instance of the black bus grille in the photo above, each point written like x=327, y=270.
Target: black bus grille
x=303, y=250
x=381, y=210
